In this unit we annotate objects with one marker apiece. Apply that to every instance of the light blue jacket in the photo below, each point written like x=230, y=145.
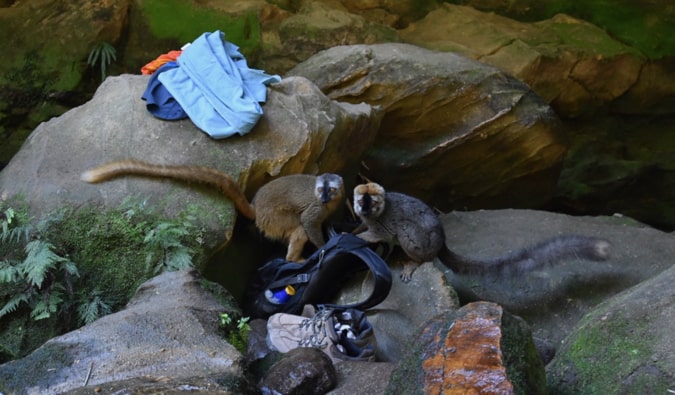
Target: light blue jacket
x=216, y=88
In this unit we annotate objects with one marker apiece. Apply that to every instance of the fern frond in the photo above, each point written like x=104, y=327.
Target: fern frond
x=40, y=311
x=39, y=260
x=179, y=259
x=9, y=216
x=112, y=53
x=93, y=56
x=88, y=313
x=13, y=304
x=22, y=233
x=130, y=206
x=53, y=218
x=165, y=234
x=47, y=306
x=103, y=53
x=70, y=268
x=95, y=309
x=8, y=272
x=166, y=240
x=15, y=226
x=18, y=234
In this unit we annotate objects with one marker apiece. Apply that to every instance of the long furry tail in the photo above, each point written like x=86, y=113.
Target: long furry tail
x=531, y=258
x=199, y=174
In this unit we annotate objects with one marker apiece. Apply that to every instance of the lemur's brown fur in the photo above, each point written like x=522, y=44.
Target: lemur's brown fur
x=290, y=208
x=405, y=221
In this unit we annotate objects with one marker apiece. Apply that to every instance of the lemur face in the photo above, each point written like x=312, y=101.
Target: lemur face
x=369, y=200
x=329, y=187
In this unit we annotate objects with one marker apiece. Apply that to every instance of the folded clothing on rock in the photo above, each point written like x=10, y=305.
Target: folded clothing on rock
x=162, y=59
x=159, y=101
x=216, y=88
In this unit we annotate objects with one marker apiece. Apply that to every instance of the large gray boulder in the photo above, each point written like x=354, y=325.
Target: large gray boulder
x=625, y=346
x=554, y=298
x=455, y=132
x=168, y=331
x=301, y=131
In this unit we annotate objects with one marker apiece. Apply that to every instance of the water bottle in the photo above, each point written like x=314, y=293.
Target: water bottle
x=281, y=295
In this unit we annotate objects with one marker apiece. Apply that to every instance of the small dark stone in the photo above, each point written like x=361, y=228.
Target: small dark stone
x=301, y=371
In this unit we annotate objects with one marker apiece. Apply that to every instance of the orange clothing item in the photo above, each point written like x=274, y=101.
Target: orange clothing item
x=161, y=59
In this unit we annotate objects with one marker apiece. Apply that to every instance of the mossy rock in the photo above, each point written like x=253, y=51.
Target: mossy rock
x=625, y=346
x=648, y=26
x=183, y=21
x=113, y=254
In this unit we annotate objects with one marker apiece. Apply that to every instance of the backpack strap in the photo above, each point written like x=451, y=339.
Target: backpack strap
x=289, y=273
x=345, y=254
x=381, y=275
x=294, y=280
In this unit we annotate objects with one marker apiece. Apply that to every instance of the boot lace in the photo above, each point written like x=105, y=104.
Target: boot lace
x=316, y=329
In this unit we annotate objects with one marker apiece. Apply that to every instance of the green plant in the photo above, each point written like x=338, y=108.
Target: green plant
x=236, y=330
x=37, y=279
x=92, y=309
x=40, y=281
x=167, y=248
x=15, y=226
x=103, y=53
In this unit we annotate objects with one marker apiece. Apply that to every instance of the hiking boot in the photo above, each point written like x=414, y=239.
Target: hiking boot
x=356, y=336
x=288, y=331
x=345, y=335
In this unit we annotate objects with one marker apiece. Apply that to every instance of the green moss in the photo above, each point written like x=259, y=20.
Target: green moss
x=106, y=247
x=650, y=29
x=601, y=354
x=110, y=249
x=315, y=24
x=185, y=21
x=588, y=38
x=25, y=85
x=523, y=364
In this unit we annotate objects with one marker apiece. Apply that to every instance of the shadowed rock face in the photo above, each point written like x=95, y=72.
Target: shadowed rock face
x=454, y=133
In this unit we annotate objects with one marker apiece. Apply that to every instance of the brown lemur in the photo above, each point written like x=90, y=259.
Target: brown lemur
x=405, y=221
x=290, y=208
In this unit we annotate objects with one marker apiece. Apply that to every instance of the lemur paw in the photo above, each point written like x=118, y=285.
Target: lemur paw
x=405, y=277
x=408, y=270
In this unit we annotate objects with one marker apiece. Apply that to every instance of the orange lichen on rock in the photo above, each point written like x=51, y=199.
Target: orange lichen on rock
x=469, y=359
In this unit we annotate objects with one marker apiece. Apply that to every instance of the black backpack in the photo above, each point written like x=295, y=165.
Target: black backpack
x=318, y=279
